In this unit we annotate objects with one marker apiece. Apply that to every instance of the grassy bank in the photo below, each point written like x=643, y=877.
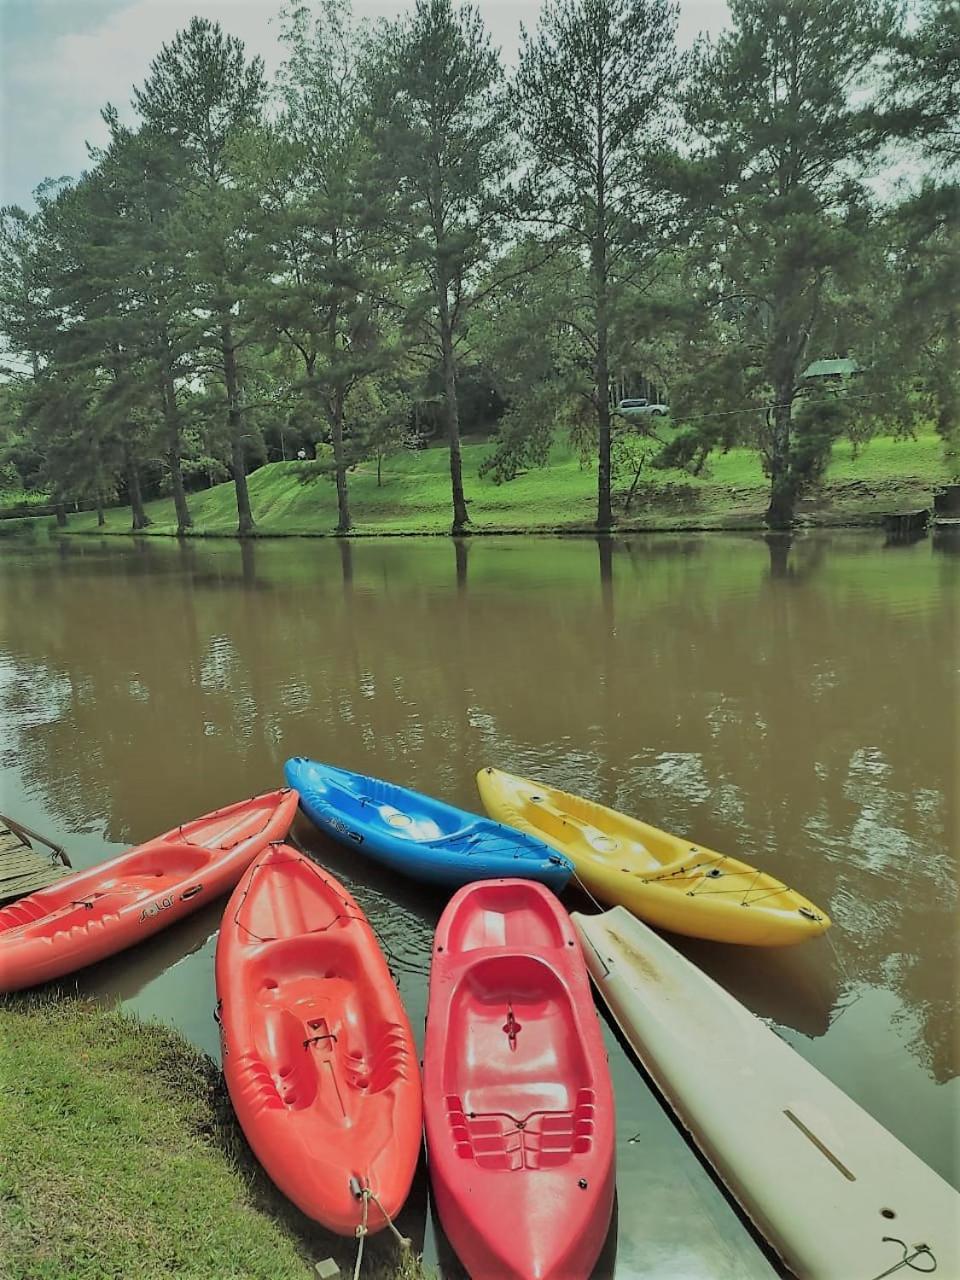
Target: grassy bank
x=121, y=1157
x=291, y=498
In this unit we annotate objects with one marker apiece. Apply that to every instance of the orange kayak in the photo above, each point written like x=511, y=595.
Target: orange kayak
x=104, y=909
x=318, y=1054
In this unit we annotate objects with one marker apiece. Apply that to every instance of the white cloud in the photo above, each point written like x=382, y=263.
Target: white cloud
x=52, y=91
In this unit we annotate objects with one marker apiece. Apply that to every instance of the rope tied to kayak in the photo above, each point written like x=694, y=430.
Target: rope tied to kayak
x=576, y=876
x=919, y=1251
x=365, y=1195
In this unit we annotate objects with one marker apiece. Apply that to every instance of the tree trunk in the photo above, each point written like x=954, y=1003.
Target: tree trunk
x=948, y=400
x=140, y=517
x=171, y=416
x=98, y=480
x=599, y=269
x=633, y=489
x=604, y=504
x=782, y=488
x=61, y=515
x=245, y=525
x=344, y=523
x=460, y=517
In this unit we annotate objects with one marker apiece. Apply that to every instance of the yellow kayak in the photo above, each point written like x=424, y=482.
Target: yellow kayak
x=661, y=878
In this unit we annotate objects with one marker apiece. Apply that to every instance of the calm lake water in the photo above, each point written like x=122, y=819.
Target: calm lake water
x=793, y=705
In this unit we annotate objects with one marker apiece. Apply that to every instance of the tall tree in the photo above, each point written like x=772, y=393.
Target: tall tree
x=594, y=90
x=325, y=266
x=145, y=282
x=78, y=448
x=924, y=96
x=923, y=82
x=203, y=94
x=98, y=340
x=440, y=123
x=29, y=325
x=24, y=285
x=785, y=130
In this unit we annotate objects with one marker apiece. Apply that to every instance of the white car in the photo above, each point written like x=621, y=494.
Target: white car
x=642, y=408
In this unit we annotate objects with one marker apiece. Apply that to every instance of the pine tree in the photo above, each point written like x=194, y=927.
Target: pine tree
x=594, y=91
x=147, y=283
x=203, y=94
x=785, y=130
x=440, y=125
x=324, y=266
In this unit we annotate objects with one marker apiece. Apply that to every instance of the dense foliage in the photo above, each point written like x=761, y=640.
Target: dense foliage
x=399, y=238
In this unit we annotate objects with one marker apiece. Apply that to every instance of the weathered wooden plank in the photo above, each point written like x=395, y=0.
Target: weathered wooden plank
x=9, y=841
x=23, y=869
x=22, y=885
x=18, y=862
x=47, y=874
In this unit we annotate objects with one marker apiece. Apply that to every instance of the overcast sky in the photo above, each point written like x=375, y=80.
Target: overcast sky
x=62, y=60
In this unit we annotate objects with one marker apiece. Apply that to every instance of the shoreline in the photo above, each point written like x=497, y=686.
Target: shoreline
x=290, y=499
x=122, y=1156
x=808, y=522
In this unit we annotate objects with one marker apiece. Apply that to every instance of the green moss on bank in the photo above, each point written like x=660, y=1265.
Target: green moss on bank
x=121, y=1158
x=290, y=498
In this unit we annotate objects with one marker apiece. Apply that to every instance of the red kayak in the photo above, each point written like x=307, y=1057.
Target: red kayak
x=94, y=913
x=518, y=1100
x=318, y=1054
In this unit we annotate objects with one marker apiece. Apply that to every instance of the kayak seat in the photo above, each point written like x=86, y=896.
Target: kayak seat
x=539, y=1140
x=545, y=817
x=529, y=1105
x=161, y=862
x=293, y=1063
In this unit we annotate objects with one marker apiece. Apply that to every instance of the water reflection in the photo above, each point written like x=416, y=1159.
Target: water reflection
x=461, y=548
x=791, y=701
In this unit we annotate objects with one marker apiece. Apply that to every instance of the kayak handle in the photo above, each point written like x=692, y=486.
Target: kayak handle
x=329, y=1035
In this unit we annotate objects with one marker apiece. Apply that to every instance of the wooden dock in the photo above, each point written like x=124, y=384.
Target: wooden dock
x=28, y=861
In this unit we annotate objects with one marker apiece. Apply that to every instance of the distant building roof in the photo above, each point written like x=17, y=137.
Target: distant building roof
x=831, y=369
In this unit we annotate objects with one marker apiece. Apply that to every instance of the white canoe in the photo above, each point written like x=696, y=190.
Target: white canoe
x=823, y=1182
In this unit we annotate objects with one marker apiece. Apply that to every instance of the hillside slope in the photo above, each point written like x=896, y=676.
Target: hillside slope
x=297, y=498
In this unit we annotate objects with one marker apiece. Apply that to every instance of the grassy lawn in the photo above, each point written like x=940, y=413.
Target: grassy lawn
x=293, y=498
x=121, y=1158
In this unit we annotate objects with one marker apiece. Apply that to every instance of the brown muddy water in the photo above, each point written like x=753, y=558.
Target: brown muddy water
x=793, y=705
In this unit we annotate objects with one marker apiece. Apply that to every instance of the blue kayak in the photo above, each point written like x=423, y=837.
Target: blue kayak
x=417, y=835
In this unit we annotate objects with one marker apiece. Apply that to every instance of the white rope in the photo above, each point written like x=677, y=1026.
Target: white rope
x=362, y=1231
x=403, y=1241
x=598, y=905
x=361, y=1234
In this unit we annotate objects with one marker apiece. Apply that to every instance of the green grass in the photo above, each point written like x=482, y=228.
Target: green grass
x=121, y=1158
x=291, y=498
x=22, y=498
